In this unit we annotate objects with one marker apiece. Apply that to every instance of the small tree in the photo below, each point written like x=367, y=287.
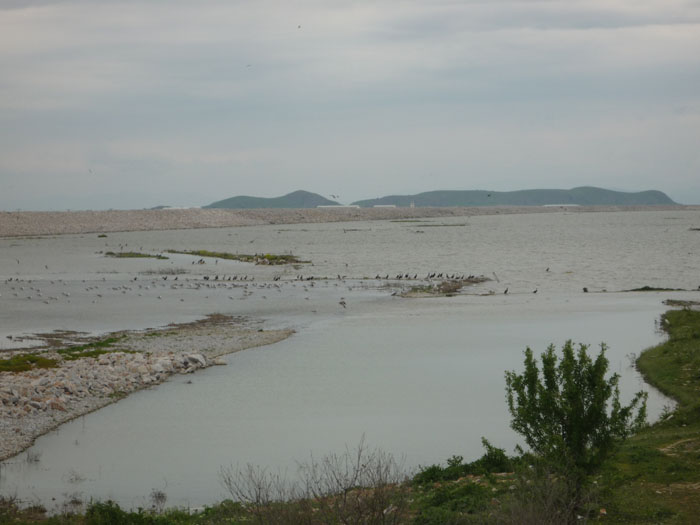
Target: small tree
x=564, y=416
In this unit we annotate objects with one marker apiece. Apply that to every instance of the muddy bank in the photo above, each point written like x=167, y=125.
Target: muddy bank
x=70, y=222
x=36, y=401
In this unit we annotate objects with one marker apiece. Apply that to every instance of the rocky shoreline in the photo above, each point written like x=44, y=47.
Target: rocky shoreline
x=36, y=401
x=24, y=223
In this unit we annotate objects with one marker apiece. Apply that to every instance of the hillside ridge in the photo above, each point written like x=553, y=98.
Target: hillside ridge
x=296, y=199
x=581, y=196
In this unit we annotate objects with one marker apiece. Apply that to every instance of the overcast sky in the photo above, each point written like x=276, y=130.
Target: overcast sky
x=133, y=104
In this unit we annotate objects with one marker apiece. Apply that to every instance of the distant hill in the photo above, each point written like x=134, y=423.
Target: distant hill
x=296, y=199
x=583, y=196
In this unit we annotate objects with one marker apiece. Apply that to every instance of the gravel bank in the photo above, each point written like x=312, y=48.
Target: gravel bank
x=37, y=401
x=70, y=222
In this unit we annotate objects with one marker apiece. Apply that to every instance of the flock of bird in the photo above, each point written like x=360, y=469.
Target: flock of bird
x=30, y=289
x=178, y=286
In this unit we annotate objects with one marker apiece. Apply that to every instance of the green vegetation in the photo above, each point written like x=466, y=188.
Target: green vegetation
x=656, y=475
x=91, y=349
x=263, y=258
x=494, y=460
x=134, y=255
x=24, y=362
x=564, y=416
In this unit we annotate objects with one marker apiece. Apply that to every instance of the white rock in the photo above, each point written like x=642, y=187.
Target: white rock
x=197, y=359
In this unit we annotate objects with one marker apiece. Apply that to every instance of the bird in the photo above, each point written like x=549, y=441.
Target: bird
x=343, y=304
x=535, y=290
x=505, y=292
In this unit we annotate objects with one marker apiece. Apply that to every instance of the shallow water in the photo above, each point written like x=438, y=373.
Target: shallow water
x=601, y=251
x=420, y=377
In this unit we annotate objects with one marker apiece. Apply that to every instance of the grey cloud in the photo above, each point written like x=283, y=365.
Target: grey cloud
x=180, y=100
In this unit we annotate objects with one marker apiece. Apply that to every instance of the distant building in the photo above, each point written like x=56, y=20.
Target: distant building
x=337, y=206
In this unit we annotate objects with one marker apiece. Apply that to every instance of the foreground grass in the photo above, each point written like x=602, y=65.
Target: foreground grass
x=653, y=478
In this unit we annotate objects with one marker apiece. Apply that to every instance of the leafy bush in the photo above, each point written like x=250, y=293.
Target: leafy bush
x=494, y=460
x=564, y=417
x=567, y=423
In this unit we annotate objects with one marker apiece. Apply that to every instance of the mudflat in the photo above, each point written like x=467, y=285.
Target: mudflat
x=22, y=223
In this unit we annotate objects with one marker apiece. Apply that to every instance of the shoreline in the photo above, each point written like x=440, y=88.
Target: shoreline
x=32, y=223
x=35, y=402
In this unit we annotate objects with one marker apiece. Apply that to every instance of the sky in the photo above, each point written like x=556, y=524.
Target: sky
x=133, y=104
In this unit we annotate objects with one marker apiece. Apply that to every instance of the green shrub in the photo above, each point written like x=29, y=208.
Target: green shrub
x=494, y=460
x=24, y=362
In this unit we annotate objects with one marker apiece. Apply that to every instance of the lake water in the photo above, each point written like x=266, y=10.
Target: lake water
x=418, y=377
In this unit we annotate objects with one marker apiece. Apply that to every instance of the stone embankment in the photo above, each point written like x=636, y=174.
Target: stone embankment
x=36, y=401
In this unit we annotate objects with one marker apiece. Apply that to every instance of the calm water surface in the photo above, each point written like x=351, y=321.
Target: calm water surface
x=418, y=377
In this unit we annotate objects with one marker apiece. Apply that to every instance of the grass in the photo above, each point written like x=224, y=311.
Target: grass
x=134, y=255
x=263, y=258
x=91, y=349
x=655, y=476
x=25, y=362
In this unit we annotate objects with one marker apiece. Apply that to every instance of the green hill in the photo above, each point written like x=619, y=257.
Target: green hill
x=583, y=196
x=296, y=199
